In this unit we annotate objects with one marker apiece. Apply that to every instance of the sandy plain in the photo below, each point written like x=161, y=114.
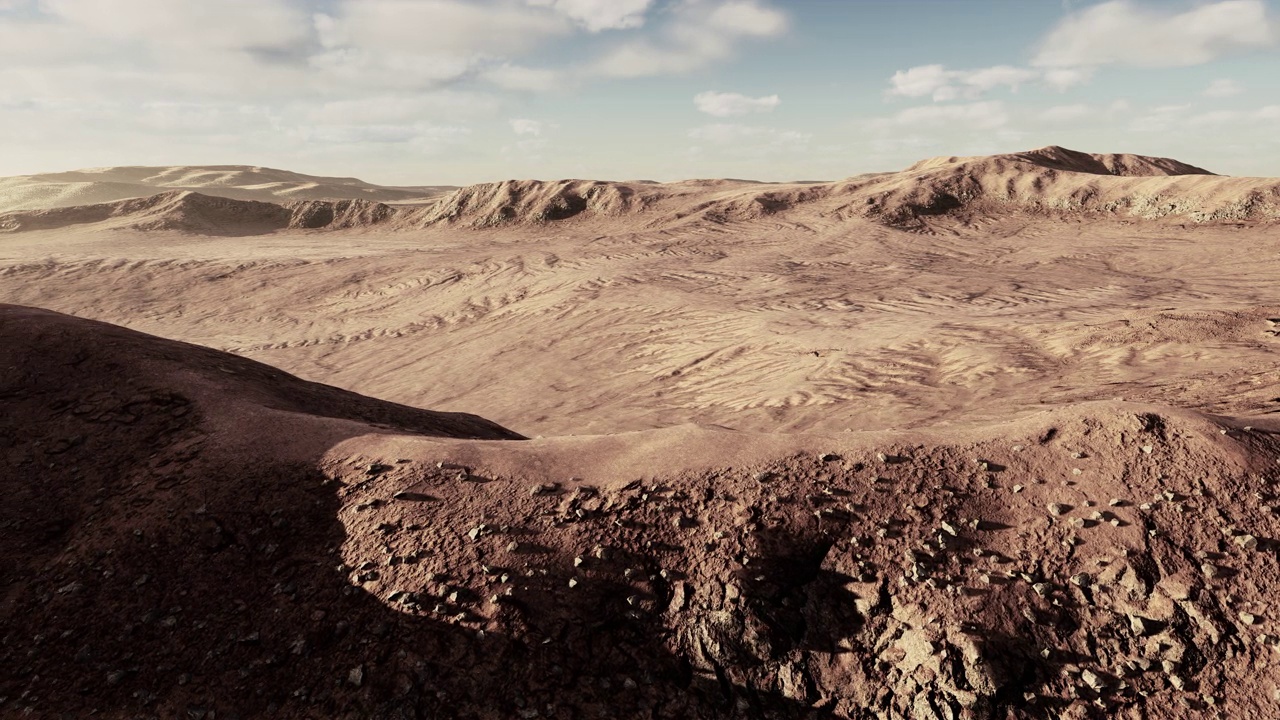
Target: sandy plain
x=988, y=437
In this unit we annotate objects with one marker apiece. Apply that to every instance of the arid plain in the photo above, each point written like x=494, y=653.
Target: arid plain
x=987, y=437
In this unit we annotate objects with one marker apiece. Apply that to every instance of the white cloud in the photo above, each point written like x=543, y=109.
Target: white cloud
x=730, y=104
x=697, y=34
x=597, y=15
x=414, y=43
x=509, y=76
x=421, y=135
x=1066, y=113
x=235, y=25
x=1160, y=119
x=744, y=17
x=1222, y=88
x=401, y=108
x=1219, y=118
x=944, y=85
x=1124, y=32
x=920, y=81
x=973, y=116
x=999, y=76
x=736, y=140
x=1063, y=79
x=521, y=126
x=432, y=28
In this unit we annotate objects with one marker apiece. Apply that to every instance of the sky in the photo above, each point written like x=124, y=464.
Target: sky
x=464, y=91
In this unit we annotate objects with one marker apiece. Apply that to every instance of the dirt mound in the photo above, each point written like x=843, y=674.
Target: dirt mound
x=340, y=215
x=180, y=211
x=530, y=202
x=188, y=533
x=1055, y=180
x=1059, y=158
x=1124, y=165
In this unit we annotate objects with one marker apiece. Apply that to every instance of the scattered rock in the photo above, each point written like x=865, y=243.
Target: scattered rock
x=1248, y=542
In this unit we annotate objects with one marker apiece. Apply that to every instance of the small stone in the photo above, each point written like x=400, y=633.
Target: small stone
x=1081, y=580
x=1176, y=680
x=1248, y=618
x=1147, y=449
x=1076, y=471
x=1017, y=488
x=1093, y=680
x=1141, y=626
x=1059, y=508
x=1115, y=502
x=356, y=676
x=544, y=489
x=1248, y=542
x=573, y=582
x=1210, y=570
x=950, y=529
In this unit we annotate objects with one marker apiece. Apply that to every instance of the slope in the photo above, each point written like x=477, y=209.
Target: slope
x=190, y=533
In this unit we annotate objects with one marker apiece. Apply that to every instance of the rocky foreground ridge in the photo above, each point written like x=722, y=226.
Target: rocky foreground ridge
x=190, y=534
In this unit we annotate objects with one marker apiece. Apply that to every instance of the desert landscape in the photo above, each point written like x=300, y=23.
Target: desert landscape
x=988, y=437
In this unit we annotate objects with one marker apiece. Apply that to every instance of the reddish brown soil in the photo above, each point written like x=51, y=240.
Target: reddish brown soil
x=186, y=533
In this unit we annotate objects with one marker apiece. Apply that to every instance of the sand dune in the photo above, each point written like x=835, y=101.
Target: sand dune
x=989, y=437
x=240, y=182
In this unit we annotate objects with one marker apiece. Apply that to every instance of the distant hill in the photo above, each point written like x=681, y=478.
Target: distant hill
x=238, y=182
x=1050, y=180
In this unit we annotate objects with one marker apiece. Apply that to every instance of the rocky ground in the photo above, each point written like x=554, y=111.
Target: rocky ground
x=190, y=534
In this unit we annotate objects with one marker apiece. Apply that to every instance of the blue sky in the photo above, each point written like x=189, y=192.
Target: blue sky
x=462, y=91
